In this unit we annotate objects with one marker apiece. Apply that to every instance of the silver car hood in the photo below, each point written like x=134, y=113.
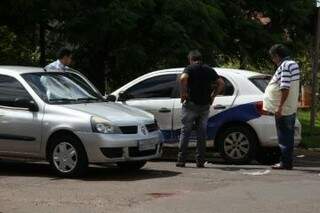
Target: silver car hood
x=114, y=112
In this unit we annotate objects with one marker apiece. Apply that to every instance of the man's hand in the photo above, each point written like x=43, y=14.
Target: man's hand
x=219, y=86
x=184, y=97
x=184, y=87
x=278, y=113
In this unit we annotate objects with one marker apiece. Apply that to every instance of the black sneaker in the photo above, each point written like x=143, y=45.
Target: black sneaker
x=180, y=164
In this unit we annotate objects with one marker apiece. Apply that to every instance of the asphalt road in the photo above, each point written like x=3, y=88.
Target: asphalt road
x=161, y=187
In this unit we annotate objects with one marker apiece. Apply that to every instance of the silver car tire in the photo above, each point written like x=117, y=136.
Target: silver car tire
x=68, y=157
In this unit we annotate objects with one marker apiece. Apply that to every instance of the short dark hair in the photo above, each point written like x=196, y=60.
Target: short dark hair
x=279, y=49
x=64, y=52
x=195, y=55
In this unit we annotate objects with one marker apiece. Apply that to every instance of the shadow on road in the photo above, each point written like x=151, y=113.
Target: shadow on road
x=312, y=170
x=26, y=169
x=115, y=174
x=305, y=161
x=302, y=158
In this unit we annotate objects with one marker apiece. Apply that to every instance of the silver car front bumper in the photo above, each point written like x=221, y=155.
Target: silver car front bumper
x=113, y=148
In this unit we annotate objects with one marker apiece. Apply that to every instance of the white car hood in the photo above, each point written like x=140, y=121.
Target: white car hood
x=114, y=112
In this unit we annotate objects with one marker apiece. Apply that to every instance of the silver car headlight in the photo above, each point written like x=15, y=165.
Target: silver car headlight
x=104, y=126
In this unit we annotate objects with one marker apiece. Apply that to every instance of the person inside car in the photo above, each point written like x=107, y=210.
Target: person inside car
x=63, y=61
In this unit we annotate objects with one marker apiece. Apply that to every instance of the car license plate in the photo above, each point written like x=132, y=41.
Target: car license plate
x=145, y=145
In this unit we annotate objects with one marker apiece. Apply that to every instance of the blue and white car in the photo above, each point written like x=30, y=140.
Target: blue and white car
x=237, y=126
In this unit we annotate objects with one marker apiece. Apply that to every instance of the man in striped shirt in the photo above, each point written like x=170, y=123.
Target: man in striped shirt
x=281, y=99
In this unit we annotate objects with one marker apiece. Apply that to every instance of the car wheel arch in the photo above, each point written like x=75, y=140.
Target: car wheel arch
x=234, y=124
x=57, y=134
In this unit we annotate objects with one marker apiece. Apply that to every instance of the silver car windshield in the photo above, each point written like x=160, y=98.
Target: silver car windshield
x=62, y=88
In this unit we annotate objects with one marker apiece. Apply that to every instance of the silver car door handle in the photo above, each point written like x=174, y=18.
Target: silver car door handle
x=164, y=110
x=219, y=106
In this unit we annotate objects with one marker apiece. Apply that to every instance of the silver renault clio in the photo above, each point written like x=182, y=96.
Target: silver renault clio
x=59, y=116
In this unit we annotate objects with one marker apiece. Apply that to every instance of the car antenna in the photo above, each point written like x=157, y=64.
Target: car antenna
x=45, y=69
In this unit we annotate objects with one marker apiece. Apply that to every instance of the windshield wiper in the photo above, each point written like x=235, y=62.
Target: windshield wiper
x=62, y=100
x=68, y=100
x=88, y=99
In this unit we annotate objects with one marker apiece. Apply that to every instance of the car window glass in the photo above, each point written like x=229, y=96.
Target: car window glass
x=154, y=87
x=61, y=88
x=10, y=91
x=228, y=88
x=261, y=82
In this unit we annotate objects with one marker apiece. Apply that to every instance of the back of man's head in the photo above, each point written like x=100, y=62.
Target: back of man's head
x=195, y=56
x=64, y=52
x=280, y=50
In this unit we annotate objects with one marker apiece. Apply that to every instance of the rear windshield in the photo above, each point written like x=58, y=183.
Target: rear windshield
x=261, y=81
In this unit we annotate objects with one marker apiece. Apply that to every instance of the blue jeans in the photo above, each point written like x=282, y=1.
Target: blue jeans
x=285, y=129
x=193, y=115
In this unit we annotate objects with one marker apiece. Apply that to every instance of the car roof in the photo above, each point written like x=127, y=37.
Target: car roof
x=19, y=69
x=27, y=69
x=244, y=73
x=237, y=75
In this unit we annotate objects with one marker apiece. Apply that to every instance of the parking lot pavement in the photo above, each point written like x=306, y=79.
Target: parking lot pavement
x=161, y=187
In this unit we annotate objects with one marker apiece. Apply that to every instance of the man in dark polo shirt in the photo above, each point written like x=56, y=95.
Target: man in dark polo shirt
x=199, y=85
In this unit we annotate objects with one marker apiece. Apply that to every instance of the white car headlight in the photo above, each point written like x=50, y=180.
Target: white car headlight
x=104, y=126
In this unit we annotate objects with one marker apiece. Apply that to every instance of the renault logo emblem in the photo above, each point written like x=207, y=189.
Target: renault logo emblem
x=144, y=130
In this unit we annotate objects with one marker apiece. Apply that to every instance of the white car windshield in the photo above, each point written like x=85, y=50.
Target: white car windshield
x=62, y=87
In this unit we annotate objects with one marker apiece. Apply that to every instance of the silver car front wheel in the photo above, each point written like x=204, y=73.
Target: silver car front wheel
x=67, y=156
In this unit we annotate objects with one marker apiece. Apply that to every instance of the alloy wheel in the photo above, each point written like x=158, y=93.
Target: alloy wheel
x=65, y=157
x=236, y=145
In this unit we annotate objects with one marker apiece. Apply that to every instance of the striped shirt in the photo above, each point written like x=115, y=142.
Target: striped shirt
x=287, y=72
x=287, y=76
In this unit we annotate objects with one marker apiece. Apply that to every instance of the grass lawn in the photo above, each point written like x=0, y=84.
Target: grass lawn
x=309, y=141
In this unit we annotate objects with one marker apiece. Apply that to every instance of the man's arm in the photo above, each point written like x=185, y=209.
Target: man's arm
x=218, y=89
x=284, y=96
x=184, y=87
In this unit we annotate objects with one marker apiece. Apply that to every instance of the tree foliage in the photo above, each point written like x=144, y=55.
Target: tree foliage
x=122, y=39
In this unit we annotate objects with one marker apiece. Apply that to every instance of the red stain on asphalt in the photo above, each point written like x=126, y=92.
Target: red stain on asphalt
x=161, y=194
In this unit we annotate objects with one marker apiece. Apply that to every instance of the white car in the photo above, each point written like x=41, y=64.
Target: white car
x=237, y=127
